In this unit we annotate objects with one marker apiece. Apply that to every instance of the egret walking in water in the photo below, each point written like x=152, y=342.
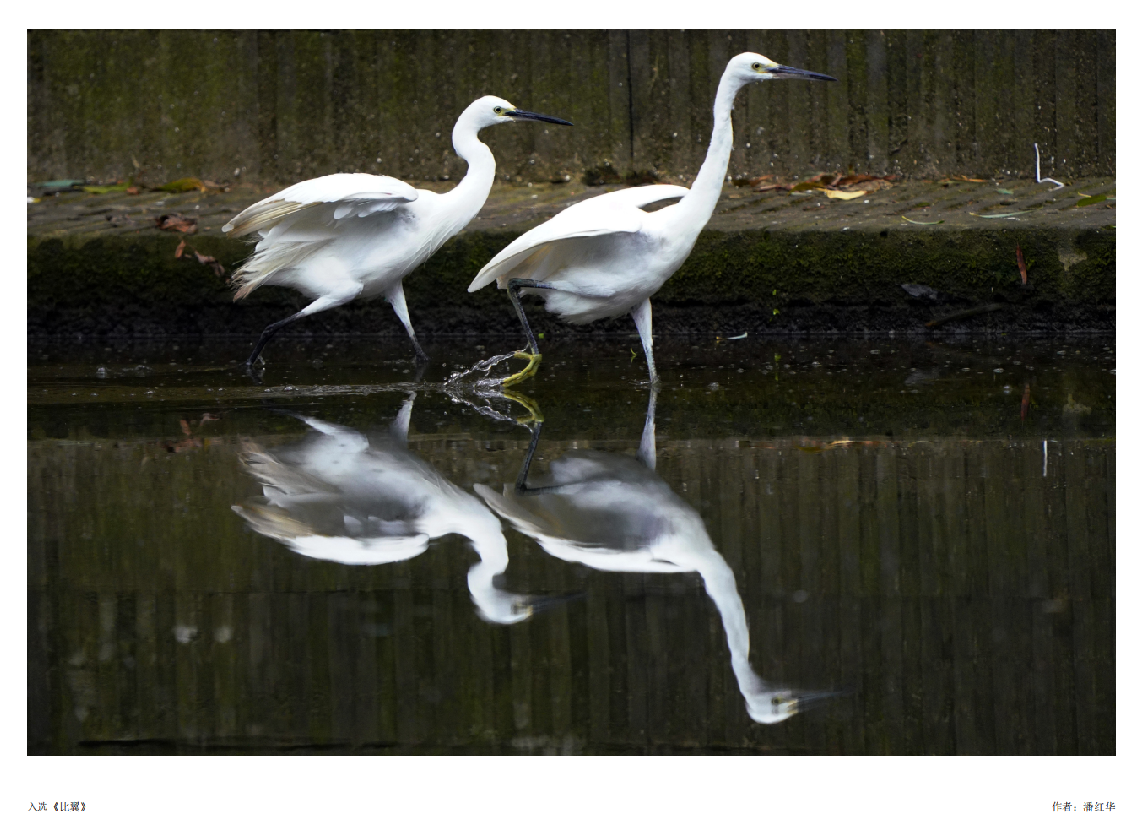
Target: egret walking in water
x=606, y=256
x=350, y=235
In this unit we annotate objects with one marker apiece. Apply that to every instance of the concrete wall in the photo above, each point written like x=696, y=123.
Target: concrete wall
x=276, y=107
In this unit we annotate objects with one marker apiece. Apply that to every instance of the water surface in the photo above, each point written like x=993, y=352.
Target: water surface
x=817, y=546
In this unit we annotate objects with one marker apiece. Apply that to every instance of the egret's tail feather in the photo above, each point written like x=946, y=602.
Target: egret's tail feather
x=286, y=479
x=272, y=521
x=261, y=216
x=265, y=263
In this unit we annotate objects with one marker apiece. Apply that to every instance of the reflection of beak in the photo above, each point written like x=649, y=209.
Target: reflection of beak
x=790, y=72
x=535, y=116
x=814, y=699
x=540, y=604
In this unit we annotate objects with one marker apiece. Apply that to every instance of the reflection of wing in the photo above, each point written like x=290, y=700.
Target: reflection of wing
x=606, y=511
x=611, y=213
x=339, y=496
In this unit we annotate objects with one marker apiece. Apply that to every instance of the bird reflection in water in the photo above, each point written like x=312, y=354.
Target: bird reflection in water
x=612, y=512
x=340, y=496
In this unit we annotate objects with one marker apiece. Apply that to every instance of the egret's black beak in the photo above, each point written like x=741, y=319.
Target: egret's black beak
x=535, y=116
x=791, y=72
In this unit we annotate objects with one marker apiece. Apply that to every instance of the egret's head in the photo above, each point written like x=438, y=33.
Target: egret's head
x=778, y=704
x=750, y=67
x=490, y=110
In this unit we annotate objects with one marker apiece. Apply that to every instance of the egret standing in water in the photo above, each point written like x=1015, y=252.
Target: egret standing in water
x=606, y=256
x=350, y=235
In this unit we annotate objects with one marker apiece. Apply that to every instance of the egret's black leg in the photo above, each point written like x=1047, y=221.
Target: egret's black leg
x=533, y=354
x=514, y=287
x=271, y=329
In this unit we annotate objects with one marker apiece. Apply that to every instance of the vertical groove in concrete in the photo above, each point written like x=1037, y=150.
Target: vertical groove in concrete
x=293, y=104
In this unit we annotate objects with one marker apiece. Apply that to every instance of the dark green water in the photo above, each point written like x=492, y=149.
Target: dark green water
x=926, y=530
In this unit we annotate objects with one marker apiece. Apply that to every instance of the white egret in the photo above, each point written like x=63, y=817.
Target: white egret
x=340, y=496
x=612, y=512
x=606, y=256
x=350, y=235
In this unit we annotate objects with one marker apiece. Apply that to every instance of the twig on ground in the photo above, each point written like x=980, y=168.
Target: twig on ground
x=1039, y=180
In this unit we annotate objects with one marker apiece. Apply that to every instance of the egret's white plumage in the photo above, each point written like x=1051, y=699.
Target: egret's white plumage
x=606, y=256
x=341, y=496
x=612, y=512
x=350, y=235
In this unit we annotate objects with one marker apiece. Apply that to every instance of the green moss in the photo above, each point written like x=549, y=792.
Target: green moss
x=115, y=280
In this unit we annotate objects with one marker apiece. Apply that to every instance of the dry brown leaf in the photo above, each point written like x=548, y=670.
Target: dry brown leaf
x=843, y=194
x=177, y=222
x=215, y=265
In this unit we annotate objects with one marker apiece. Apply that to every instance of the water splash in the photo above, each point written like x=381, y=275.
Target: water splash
x=484, y=366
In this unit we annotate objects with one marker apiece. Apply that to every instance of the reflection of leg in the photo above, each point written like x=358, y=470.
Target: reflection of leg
x=534, y=413
x=400, y=426
x=642, y=316
x=322, y=304
x=396, y=298
x=647, y=453
x=522, y=478
x=522, y=487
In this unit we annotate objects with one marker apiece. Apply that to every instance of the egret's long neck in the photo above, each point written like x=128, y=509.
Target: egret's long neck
x=466, y=199
x=492, y=548
x=699, y=203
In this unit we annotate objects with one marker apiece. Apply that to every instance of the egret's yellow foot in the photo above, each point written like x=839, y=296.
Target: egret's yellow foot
x=534, y=413
x=526, y=372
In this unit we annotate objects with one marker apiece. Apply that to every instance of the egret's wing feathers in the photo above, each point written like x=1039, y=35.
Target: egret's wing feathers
x=641, y=196
x=303, y=218
x=617, y=212
x=350, y=194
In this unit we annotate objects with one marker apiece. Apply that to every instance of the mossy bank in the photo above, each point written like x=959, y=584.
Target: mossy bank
x=734, y=281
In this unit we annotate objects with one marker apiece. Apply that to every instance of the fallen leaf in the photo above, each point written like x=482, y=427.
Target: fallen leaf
x=922, y=292
x=915, y=222
x=106, y=188
x=810, y=184
x=179, y=249
x=177, y=222
x=843, y=194
x=1005, y=192
x=739, y=337
x=1091, y=200
x=1020, y=262
x=215, y=265
x=769, y=187
x=182, y=185
x=58, y=183
x=999, y=215
x=133, y=191
x=847, y=181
